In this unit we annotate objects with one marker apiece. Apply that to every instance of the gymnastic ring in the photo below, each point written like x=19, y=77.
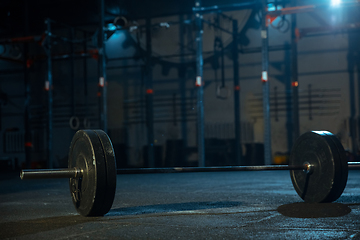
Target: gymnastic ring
x=77, y=123
x=218, y=92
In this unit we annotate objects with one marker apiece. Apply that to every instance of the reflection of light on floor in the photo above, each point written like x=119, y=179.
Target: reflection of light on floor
x=175, y=208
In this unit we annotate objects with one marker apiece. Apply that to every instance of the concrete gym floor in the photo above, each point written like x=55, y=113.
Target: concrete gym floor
x=224, y=205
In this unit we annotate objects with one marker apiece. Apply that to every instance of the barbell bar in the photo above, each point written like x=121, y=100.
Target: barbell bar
x=318, y=169
x=77, y=173
x=354, y=165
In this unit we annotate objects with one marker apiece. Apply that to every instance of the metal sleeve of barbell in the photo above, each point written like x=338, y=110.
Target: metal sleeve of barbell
x=210, y=169
x=354, y=165
x=50, y=173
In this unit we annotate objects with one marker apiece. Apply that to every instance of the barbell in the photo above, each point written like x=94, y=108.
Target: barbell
x=317, y=164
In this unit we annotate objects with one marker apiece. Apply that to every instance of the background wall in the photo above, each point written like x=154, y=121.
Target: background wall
x=328, y=80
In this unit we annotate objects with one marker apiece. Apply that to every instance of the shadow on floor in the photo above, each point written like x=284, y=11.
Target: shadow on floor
x=33, y=226
x=166, y=208
x=314, y=210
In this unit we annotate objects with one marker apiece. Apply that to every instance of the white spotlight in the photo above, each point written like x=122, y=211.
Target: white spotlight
x=335, y=3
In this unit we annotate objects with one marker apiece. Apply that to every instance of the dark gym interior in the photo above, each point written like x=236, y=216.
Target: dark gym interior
x=194, y=87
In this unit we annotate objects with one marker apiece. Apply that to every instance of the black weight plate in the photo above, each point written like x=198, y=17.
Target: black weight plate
x=88, y=191
x=340, y=176
x=326, y=180
x=110, y=162
x=343, y=168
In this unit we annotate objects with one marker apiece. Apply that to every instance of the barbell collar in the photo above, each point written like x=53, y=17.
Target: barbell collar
x=51, y=173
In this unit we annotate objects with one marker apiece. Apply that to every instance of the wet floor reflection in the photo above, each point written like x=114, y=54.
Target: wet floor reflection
x=175, y=207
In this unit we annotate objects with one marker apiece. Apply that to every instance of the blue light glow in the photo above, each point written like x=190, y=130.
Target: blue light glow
x=272, y=7
x=335, y=3
x=111, y=27
x=117, y=36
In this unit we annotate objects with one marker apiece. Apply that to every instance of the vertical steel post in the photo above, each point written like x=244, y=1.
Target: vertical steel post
x=237, y=117
x=182, y=75
x=27, y=126
x=294, y=78
x=200, y=85
x=357, y=120
x=85, y=77
x=85, y=66
x=149, y=96
x=103, y=80
x=49, y=87
x=353, y=67
x=27, y=137
x=266, y=87
x=72, y=75
x=352, y=102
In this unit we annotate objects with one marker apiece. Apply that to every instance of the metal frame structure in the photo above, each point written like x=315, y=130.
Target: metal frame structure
x=49, y=88
x=198, y=11
x=266, y=84
x=200, y=85
x=266, y=19
x=296, y=34
x=49, y=84
x=46, y=42
x=149, y=97
x=102, y=65
x=237, y=118
x=295, y=125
